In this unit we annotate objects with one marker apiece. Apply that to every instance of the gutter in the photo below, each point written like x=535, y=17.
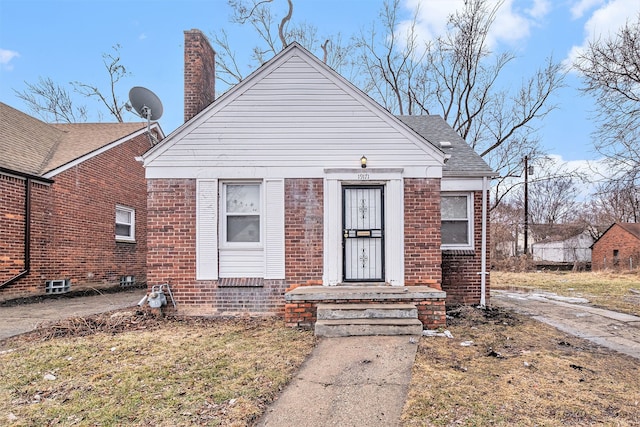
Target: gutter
x=483, y=250
x=27, y=221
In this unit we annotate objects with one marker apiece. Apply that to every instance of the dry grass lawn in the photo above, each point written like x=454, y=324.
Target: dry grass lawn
x=128, y=368
x=133, y=370
x=502, y=369
x=614, y=291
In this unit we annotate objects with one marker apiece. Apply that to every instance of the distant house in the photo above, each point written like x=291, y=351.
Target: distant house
x=570, y=250
x=72, y=204
x=295, y=189
x=618, y=248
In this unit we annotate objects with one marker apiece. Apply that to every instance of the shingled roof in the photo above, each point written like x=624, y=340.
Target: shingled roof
x=33, y=147
x=464, y=161
x=631, y=227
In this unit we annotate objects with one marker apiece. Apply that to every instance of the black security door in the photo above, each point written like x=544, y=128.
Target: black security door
x=363, y=233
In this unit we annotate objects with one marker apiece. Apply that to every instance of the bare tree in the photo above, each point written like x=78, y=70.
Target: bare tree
x=274, y=34
x=610, y=69
x=457, y=76
x=51, y=102
x=616, y=201
x=109, y=99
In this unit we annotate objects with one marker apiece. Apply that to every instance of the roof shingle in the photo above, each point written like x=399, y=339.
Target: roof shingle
x=31, y=146
x=464, y=161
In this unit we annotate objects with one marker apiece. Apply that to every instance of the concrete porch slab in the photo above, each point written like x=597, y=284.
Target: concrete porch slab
x=374, y=293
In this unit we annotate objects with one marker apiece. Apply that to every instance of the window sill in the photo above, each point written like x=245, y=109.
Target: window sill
x=131, y=241
x=462, y=252
x=241, y=282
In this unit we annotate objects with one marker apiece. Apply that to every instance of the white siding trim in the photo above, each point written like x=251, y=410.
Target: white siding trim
x=332, y=274
x=207, y=229
x=274, y=252
x=461, y=184
x=394, y=232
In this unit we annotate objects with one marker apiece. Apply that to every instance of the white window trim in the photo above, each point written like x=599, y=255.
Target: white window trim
x=223, y=217
x=470, y=221
x=132, y=236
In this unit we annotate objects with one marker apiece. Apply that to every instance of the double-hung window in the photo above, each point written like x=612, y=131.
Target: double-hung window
x=457, y=221
x=125, y=224
x=242, y=206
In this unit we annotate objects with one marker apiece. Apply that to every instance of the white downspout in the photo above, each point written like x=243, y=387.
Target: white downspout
x=483, y=250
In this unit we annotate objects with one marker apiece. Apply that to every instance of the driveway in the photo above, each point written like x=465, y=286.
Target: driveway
x=617, y=331
x=18, y=319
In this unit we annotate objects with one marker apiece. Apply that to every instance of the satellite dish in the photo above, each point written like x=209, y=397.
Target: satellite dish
x=145, y=102
x=147, y=106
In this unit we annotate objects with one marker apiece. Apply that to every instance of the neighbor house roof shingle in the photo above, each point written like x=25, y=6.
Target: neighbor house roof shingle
x=631, y=227
x=31, y=146
x=464, y=161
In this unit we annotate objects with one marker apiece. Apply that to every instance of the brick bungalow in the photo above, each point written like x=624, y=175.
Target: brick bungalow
x=618, y=248
x=295, y=188
x=72, y=205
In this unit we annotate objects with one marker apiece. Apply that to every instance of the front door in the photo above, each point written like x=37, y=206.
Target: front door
x=363, y=233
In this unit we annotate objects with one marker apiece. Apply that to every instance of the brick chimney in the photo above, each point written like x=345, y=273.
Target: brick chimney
x=199, y=73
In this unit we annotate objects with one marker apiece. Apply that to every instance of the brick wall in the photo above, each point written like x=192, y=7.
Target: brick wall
x=199, y=73
x=460, y=269
x=12, y=217
x=172, y=259
x=304, y=212
x=73, y=223
x=422, y=262
x=616, y=239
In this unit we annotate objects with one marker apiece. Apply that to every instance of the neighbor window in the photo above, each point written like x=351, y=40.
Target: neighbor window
x=125, y=223
x=457, y=222
x=241, y=213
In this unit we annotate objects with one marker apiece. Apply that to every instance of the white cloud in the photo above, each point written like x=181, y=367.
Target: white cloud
x=580, y=7
x=5, y=58
x=540, y=9
x=593, y=170
x=512, y=24
x=604, y=22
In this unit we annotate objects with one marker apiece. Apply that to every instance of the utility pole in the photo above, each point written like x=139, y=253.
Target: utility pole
x=526, y=205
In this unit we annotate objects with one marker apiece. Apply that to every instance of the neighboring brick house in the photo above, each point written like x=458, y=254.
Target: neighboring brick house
x=72, y=205
x=618, y=248
x=295, y=184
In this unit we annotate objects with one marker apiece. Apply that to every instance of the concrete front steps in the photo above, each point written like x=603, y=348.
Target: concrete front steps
x=341, y=320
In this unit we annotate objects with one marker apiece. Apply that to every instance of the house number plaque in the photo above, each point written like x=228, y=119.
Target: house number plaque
x=363, y=176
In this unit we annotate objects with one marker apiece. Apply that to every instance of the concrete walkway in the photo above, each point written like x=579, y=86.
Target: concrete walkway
x=617, y=331
x=350, y=381
x=18, y=319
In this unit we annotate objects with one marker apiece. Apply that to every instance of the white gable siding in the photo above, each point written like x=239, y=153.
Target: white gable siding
x=296, y=118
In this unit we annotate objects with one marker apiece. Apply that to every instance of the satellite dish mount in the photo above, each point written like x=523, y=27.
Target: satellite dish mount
x=146, y=105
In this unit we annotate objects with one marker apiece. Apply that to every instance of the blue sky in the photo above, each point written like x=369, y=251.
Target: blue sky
x=65, y=39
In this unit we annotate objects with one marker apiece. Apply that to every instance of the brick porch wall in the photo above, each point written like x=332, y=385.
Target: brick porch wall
x=422, y=255
x=431, y=313
x=460, y=269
